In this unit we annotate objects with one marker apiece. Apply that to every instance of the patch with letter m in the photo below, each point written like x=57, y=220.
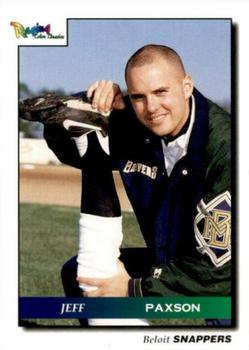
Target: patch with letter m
x=212, y=227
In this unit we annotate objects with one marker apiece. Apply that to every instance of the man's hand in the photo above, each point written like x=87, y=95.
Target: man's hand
x=105, y=96
x=116, y=286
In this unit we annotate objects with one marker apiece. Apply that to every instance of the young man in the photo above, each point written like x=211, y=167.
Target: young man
x=172, y=148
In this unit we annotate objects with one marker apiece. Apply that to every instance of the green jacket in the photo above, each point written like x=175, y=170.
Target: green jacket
x=206, y=269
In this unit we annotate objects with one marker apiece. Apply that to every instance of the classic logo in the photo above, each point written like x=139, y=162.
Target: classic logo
x=213, y=229
x=38, y=31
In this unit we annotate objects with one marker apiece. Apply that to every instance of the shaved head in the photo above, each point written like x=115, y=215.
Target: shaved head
x=148, y=53
x=159, y=89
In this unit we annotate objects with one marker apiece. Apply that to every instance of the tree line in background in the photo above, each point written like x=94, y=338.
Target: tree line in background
x=35, y=129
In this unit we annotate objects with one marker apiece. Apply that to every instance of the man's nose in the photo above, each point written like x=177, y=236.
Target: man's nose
x=152, y=104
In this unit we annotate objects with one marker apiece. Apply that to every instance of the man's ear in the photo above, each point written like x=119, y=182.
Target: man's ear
x=188, y=86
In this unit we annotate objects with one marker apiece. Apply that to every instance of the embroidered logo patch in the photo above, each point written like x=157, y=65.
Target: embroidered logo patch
x=213, y=229
x=157, y=273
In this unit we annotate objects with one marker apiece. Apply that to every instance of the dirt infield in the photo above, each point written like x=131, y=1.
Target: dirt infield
x=59, y=185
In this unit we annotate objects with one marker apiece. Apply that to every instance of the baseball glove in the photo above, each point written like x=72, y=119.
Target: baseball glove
x=74, y=113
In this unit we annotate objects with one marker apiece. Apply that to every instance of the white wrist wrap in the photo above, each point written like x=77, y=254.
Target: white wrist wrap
x=99, y=242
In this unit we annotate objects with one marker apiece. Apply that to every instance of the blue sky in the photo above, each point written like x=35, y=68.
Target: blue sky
x=99, y=49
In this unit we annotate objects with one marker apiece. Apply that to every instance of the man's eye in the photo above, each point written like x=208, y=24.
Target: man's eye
x=161, y=92
x=136, y=97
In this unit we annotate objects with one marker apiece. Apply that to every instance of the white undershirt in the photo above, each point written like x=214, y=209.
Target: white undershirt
x=177, y=148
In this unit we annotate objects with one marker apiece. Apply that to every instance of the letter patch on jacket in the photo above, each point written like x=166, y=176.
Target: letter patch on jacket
x=131, y=167
x=212, y=227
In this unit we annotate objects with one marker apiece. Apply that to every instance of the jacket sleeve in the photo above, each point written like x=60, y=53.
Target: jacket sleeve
x=190, y=277
x=207, y=272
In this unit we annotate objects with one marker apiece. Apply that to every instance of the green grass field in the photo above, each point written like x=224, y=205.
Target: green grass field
x=47, y=238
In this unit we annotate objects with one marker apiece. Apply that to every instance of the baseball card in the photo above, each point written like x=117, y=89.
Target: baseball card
x=123, y=195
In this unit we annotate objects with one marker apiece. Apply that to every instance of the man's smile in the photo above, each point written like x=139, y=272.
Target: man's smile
x=155, y=119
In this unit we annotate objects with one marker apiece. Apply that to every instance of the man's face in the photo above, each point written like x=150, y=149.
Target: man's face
x=159, y=94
